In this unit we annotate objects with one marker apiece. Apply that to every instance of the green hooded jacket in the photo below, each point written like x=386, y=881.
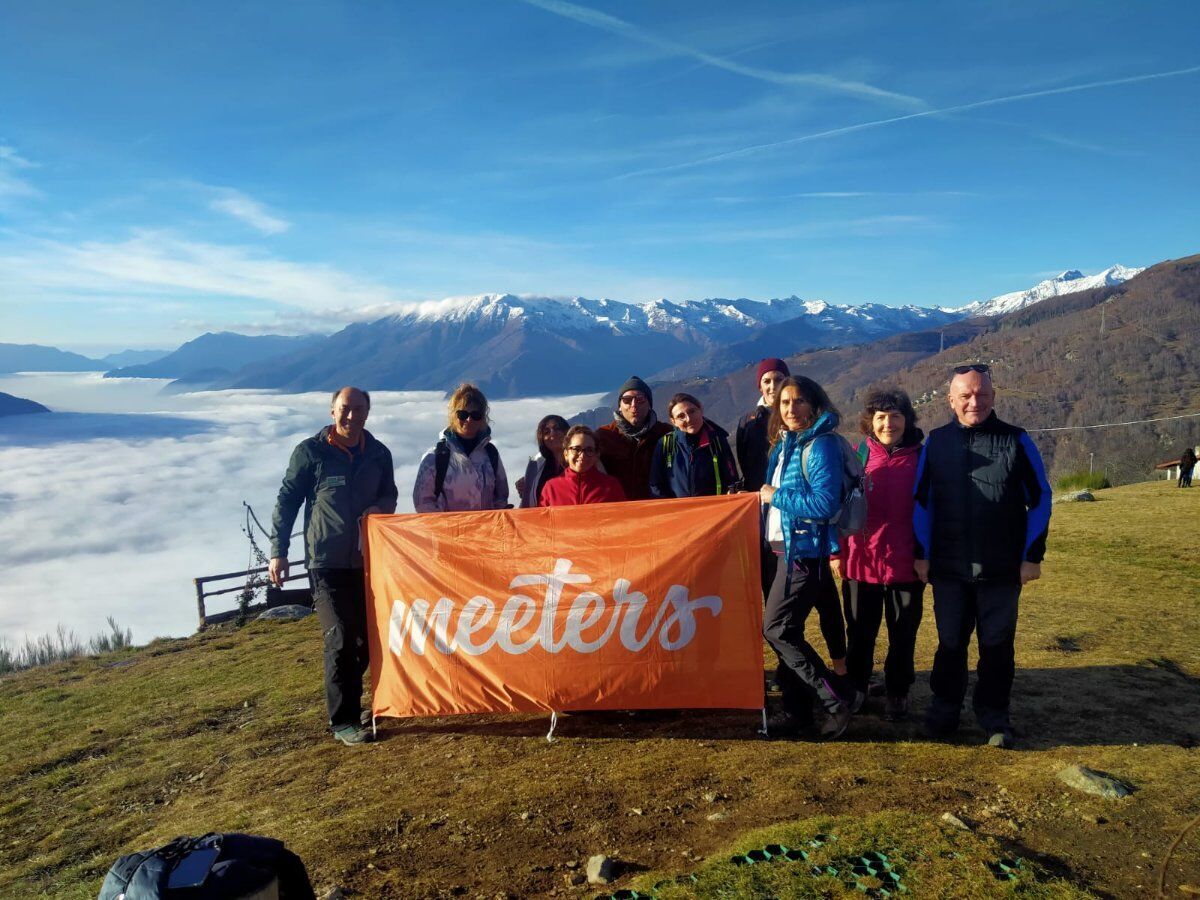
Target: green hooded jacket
x=335, y=487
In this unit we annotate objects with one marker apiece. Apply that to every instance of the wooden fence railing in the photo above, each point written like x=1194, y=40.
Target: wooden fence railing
x=275, y=596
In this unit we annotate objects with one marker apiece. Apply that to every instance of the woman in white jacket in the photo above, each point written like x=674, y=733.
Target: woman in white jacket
x=462, y=471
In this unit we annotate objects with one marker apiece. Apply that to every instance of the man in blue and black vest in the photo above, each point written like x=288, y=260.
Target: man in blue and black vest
x=981, y=517
x=340, y=474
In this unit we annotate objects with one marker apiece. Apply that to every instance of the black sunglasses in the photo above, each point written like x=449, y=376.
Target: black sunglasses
x=975, y=367
x=473, y=414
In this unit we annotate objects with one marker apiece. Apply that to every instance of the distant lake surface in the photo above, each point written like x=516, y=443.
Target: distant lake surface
x=113, y=503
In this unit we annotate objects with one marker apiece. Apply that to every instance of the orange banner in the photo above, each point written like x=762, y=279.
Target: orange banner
x=647, y=605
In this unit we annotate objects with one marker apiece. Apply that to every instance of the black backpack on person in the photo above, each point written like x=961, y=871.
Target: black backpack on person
x=214, y=867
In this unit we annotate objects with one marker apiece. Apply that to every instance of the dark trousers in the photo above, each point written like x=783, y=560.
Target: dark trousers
x=990, y=609
x=868, y=604
x=802, y=674
x=339, y=597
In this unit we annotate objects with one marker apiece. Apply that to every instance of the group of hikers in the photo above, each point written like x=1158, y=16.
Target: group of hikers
x=966, y=510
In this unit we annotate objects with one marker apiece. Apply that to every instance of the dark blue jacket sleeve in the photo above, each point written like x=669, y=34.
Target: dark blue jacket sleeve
x=1037, y=501
x=922, y=509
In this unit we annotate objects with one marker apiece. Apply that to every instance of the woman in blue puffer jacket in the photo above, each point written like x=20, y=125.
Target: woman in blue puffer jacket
x=803, y=491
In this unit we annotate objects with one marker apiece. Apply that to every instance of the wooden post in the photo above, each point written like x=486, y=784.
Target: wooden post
x=199, y=583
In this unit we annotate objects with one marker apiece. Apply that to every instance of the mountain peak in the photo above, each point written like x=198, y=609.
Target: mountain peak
x=1069, y=282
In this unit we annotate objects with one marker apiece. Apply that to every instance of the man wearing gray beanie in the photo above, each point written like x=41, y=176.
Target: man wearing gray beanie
x=627, y=443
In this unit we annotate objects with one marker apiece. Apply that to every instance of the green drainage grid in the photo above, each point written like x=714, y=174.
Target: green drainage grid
x=880, y=867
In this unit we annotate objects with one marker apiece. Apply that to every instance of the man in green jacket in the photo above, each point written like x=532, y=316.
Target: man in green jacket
x=340, y=474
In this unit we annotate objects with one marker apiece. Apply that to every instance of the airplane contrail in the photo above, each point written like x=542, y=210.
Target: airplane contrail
x=596, y=19
x=877, y=123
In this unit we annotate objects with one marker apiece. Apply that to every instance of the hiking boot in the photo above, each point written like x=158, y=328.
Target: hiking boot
x=1002, y=740
x=896, y=709
x=786, y=725
x=352, y=735
x=841, y=690
x=876, y=687
x=836, y=722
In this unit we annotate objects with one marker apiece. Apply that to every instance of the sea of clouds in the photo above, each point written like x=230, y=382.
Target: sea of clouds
x=113, y=504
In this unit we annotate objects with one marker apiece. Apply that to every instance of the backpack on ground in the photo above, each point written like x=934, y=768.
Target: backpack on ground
x=852, y=515
x=441, y=464
x=211, y=867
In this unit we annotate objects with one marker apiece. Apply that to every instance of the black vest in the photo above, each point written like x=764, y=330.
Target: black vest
x=975, y=485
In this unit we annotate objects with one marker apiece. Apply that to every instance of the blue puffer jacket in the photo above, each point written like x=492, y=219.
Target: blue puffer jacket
x=803, y=504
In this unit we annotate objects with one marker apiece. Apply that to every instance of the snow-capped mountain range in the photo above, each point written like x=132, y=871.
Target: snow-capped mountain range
x=1069, y=282
x=528, y=345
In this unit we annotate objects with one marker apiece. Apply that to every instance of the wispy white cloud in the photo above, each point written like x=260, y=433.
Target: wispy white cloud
x=13, y=186
x=159, y=263
x=247, y=210
x=596, y=19
x=742, y=152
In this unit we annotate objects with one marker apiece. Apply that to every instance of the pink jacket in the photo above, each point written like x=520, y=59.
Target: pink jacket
x=882, y=553
x=572, y=489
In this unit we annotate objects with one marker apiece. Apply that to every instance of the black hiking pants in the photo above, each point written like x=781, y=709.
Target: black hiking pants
x=868, y=604
x=802, y=675
x=339, y=597
x=988, y=608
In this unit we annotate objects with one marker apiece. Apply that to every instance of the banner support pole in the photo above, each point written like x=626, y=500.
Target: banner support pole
x=763, y=731
x=553, y=723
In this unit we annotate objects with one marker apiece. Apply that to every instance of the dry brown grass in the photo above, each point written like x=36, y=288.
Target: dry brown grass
x=225, y=731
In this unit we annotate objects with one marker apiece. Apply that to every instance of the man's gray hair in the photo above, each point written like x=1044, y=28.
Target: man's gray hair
x=333, y=400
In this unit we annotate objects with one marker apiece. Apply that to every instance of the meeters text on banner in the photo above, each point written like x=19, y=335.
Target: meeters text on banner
x=647, y=605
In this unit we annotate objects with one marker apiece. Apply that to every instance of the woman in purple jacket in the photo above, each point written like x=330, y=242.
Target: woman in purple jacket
x=876, y=564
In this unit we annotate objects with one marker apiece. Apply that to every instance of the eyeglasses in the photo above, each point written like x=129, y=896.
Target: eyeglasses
x=630, y=399
x=473, y=414
x=586, y=451
x=981, y=368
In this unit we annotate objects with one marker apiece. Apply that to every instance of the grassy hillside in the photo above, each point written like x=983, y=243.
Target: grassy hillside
x=224, y=731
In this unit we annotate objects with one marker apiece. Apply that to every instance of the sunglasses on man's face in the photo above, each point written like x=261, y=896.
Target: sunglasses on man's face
x=977, y=367
x=472, y=414
x=630, y=399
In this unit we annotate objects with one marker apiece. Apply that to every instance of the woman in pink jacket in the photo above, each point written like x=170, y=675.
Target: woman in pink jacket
x=582, y=482
x=876, y=565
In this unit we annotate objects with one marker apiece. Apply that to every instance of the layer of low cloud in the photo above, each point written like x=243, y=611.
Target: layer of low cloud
x=120, y=524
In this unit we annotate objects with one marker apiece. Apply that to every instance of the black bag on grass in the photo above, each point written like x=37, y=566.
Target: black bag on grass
x=211, y=867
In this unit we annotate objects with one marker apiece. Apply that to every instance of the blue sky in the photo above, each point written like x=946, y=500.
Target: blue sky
x=167, y=169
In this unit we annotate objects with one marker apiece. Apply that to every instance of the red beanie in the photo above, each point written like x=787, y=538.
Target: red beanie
x=770, y=365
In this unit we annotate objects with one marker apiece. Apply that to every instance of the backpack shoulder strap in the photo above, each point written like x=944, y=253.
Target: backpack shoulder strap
x=493, y=456
x=668, y=443
x=441, y=462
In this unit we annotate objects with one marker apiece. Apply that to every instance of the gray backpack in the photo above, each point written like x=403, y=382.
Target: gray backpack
x=852, y=515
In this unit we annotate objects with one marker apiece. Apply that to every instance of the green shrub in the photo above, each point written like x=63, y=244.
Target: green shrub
x=1082, y=481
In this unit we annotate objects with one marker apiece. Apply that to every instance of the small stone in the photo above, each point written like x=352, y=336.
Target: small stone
x=288, y=611
x=636, y=811
x=572, y=864
x=1075, y=497
x=334, y=893
x=710, y=797
x=525, y=817
x=601, y=869
x=717, y=817
x=1092, y=782
x=952, y=819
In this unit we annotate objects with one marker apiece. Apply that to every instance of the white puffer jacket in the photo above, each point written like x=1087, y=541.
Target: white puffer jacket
x=470, y=482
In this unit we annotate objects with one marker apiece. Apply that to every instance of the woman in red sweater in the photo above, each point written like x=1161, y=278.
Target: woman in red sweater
x=582, y=482
x=876, y=565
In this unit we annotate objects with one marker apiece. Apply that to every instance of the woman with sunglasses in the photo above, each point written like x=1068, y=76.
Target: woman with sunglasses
x=582, y=482
x=876, y=565
x=802, y=493
x=462, y=471
x=547, y=463
x=694, y=460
